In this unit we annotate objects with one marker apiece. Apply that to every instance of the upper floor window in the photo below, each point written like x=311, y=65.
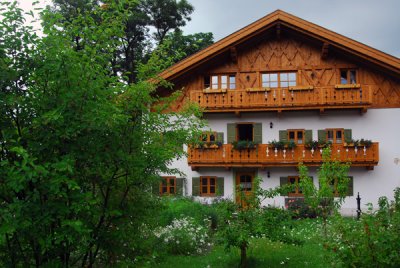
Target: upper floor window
x=348, y=76
x=220, y=82
x=334, y=135
x=296, y=135
x=208, y=185
x=168, y=186
x=282, y=79
x=209, y=136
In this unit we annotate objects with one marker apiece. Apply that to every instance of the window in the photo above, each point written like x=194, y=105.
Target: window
x=245, y=132
x=168, y=186
x=348, y=76
x=275, y=80
x=294, y=180
x=349, y=187
x=208, y=186
x=220, y=82
x=296, y=135
x=334, y=135
x=209, y=136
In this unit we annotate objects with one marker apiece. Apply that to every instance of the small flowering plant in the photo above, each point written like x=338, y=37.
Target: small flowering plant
x=183, y=236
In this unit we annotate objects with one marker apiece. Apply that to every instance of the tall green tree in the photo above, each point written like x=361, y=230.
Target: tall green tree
x=80, y=148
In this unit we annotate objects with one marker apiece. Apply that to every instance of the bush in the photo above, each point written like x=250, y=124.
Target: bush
x=183, y=236
x=299, y=209
x=374, y=241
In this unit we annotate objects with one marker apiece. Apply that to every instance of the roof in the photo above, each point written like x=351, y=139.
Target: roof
x=349, y=45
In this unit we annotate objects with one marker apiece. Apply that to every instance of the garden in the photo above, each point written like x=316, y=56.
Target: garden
x=191, y=234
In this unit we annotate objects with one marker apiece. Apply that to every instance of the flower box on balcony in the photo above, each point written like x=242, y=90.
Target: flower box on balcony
x=261, y=89
x=242, y=145
x=348, y=86
x=207, y=90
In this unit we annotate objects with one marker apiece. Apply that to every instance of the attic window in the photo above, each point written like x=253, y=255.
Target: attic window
x=220, y=82
x=348, y=76
x=275, y=80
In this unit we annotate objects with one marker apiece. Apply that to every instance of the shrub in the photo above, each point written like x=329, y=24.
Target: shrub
x=374, y=241
x=183, y=236
x=299, y=209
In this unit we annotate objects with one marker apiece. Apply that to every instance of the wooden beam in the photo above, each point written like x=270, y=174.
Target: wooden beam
x=278, y=30
x=233, y=54
x=325, y=51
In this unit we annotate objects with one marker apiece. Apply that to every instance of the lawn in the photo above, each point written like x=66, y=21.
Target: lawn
x=264, y=253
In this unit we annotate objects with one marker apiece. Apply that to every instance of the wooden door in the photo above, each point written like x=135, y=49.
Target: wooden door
x=244, y=187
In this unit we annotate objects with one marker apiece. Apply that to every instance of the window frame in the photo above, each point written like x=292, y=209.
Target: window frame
x=297, y=192
x=167, y=185
x=296, y=131
x=334, y=140
x=279, y=80
x=208, y=135
x=348, y=76
x=208, y=185
x=237, y=130
x=219, y=82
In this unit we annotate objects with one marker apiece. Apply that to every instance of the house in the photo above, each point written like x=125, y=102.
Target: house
x=274, y=93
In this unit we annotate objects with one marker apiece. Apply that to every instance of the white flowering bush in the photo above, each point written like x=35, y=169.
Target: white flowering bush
x=183, y=236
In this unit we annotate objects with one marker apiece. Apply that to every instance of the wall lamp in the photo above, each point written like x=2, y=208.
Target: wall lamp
x=271, y=125
x=268, y=174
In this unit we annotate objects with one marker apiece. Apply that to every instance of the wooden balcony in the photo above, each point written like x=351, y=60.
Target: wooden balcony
x=265, y=156
x=279, y=99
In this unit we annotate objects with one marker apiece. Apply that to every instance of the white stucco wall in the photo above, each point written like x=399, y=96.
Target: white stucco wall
x=378, y=125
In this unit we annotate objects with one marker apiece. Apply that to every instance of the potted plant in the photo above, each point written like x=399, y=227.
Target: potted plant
x=279, y=145
x=312, y=144
x=241, y=145
x=290, y=145
x=366, y=143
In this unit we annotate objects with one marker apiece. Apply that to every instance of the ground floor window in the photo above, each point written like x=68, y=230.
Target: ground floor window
x=168, y=186
x=208, y=185
x=295, y=182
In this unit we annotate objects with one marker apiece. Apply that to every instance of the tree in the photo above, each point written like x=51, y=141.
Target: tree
x=80, y=148
x=249, y=219
x=142, y=17
x=333, y=185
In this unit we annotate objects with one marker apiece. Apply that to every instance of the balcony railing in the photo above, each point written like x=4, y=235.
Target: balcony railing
x=265, y=156
x=282, y=99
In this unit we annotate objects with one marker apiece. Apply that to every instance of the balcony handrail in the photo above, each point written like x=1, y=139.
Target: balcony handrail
x=265, y=155
x=316, y=96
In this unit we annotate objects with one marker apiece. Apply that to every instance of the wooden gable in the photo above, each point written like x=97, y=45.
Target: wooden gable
x=282, y=42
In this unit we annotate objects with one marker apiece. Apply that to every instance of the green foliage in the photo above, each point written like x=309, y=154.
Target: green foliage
x=249, y=220
x=79, y=148
x=373, y=241
x=333, y=181
x=300, y=209
x=280, y=145
x=242, y=145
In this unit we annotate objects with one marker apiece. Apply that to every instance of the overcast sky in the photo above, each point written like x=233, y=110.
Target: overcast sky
x=373, y=22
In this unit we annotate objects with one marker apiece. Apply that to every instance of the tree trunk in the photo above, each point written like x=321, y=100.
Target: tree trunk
x=243, y=255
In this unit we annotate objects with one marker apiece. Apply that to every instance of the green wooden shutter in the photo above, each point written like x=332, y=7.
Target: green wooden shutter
x=283, y=181
x=231, y=132
x=220, y=137
x=322, y=135
x=257, y=133
x=350, y=187
x=195, y=186
x=179, y=186
x=347, y=135
x=220, y=186
x=308, y=135
x=283, y=135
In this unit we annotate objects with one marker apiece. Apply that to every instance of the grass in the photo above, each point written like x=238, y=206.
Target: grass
x=264, y=253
